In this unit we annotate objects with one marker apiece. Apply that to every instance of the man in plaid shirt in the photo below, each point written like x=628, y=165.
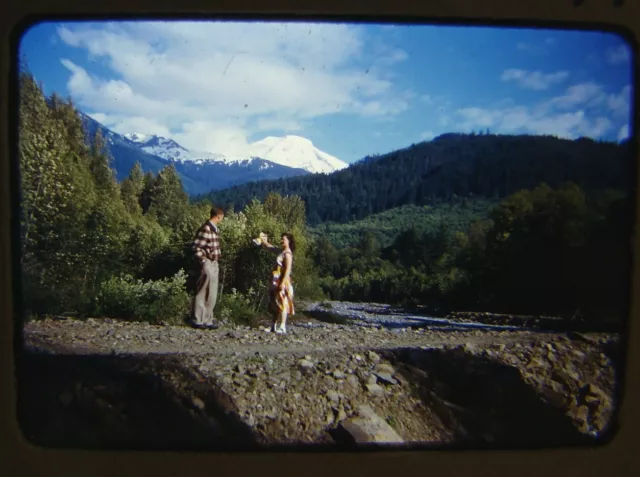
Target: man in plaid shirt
x=206, y=247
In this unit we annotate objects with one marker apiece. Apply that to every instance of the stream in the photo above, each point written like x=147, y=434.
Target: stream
x=375, y=314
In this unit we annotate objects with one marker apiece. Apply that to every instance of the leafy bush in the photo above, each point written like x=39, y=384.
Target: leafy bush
x=152, y=301
x=238, y=308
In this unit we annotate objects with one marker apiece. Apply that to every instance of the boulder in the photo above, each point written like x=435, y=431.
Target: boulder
x=369, y=428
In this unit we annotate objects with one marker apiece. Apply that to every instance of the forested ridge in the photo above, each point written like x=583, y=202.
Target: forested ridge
x=451, y=166
x=514, y=223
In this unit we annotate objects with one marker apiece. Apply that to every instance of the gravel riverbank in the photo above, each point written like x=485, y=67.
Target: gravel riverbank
x=321, y=384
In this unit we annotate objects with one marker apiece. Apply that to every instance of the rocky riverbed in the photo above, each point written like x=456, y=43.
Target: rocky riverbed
x=107, y=383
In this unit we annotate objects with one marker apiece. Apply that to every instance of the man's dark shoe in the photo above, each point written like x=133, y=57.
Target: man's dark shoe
x=211, y=326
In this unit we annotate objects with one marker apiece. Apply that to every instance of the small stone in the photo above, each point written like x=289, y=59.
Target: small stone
x=582, y=413
x=374, y=357
x=352, y=380
x=536, y=363
x=557, y=387
x=600, y=423
x=198, y=403
x=372, y=379
x=569, y=377
x=305, y=365
x=385, y=368
x=470, y=348
x=250, y=420
x=330, y=418
x=333, y=396
x=592, y=400
x=338, y=374
x=375, y=389
x=370, y=428
x=385, y=378
x=595, y=390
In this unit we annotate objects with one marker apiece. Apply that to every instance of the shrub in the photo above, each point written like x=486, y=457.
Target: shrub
x=238, y=308
x=152, y=301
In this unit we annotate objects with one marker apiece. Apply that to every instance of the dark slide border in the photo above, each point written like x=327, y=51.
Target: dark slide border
x=18, y=457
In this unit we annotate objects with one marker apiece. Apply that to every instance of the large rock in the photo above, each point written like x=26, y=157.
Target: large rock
x=369, y=428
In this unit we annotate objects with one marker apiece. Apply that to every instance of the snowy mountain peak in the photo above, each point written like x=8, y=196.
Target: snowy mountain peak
x=137, y=137
x=291, y=151
x=169, y=149
x=295, y=151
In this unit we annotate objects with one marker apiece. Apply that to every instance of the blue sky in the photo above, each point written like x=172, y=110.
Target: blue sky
x=353, y=90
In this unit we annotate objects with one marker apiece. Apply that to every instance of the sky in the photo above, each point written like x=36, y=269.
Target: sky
x=352, y=89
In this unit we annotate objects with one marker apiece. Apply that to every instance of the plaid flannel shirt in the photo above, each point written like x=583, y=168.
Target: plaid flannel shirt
x=206, y=243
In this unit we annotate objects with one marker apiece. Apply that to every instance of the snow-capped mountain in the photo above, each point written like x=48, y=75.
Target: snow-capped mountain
x=296, y=151
x=289, y=151
x=169, y=149
x=200, y=172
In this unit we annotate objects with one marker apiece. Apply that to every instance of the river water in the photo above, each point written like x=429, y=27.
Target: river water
x=374, y=314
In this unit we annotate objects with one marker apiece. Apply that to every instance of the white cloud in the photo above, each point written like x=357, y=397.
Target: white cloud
x=242, y=78
x=623, y=133
x=579, y=95
x=619, y=55
x=277, y=124
x=127, y=124
x=214, y=136
x=592, y=96
x=620, y=104
x=521, y=119
x=535, y=80
x=427, y=99
x=427, y=135
x=583, y=110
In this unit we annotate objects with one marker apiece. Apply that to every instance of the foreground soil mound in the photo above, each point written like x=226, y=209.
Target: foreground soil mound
x=111, y=384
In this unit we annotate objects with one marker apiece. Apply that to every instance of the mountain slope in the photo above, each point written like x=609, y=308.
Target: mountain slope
x=385, y=226
x=289, y=151
x=199, y=175
x=169, y=149
x=125, y=153
x=451, y=165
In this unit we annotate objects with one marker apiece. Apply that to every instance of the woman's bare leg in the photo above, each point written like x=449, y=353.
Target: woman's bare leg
x=283, y=321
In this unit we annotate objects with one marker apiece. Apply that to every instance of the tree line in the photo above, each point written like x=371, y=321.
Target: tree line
x=559, y=252
x=451, y=166
x=540, y=244
x=92, y=246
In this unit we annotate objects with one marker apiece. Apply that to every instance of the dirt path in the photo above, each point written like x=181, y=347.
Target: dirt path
x=111, y=336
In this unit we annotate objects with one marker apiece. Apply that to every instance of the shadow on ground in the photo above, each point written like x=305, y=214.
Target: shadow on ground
x=119, y=402
x=147, y=403
x=485, y=403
